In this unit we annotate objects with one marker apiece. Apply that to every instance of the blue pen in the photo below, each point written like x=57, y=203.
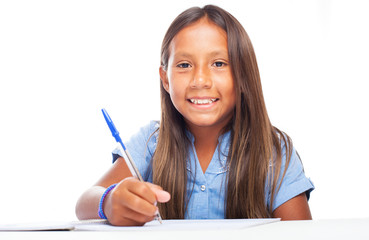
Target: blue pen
x=131, y=165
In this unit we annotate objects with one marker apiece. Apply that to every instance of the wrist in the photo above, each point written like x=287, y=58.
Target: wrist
x=102, y=200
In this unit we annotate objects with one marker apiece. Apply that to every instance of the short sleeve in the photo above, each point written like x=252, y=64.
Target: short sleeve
x=141, y=146
x=294, y=182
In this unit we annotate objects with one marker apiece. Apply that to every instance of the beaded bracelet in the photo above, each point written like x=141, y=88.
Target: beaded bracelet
x=101, y=211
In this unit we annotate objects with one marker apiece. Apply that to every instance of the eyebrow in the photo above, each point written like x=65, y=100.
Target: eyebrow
x=212, y=54
x=182, y=54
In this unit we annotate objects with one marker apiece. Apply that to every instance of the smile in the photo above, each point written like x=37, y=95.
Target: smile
x=202, y=101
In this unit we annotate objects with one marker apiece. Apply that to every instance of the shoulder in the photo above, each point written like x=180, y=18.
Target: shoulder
x=149, y=128
x=142, y=142
x=292, y=178
x=153, y=126
x=290, y=159
x=146, y=134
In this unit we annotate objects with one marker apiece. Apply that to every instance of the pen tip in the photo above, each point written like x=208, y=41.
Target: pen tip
x=159, y=218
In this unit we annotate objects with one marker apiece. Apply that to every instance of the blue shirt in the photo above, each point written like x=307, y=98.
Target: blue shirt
x=208, y=194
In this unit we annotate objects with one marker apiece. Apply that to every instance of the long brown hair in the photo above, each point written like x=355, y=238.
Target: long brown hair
x=254, y=158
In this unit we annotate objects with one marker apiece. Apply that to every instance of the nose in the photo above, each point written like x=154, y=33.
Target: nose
x=201, y=78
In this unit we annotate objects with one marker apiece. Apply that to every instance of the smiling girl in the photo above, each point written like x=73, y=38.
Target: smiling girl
x=214, y=152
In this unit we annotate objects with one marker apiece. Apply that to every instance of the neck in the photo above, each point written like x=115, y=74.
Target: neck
x=205, y=134
x=206, y=142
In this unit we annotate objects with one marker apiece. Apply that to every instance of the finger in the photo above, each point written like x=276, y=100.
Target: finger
x=118, y=208
x=140, y=205
x=128, y=217
x=151, y=185
x=161, y=195
x=138, y=197
x=137, y=217
x=143, y=190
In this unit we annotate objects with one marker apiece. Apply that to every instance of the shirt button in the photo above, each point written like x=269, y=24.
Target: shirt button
x=202, y=188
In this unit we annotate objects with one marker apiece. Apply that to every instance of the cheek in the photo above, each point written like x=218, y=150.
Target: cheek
x=226, y=85
x=176, y=93
x=231, y=99
x=178, y=99
x=177, y=85
x=230, y=93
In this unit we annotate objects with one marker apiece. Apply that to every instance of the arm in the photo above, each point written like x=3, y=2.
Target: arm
x=131, y=202
x=88, y=204
x=296, y=208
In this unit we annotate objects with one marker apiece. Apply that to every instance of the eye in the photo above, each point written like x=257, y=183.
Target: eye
x=219, y=64
x=184, y=65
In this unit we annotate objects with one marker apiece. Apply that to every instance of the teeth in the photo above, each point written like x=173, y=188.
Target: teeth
x=202, y=101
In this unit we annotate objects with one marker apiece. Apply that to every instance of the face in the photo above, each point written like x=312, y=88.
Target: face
x=198, y=77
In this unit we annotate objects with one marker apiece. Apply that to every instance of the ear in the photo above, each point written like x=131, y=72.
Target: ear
x=164, y=78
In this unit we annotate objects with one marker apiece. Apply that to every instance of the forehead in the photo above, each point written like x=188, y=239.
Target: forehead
x=202, y=35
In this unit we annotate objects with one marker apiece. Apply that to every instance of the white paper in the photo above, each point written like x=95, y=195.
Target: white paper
x=214, y=224
x=37, y=226
x=103, y=225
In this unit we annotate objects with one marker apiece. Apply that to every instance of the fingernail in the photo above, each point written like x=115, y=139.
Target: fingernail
x=155, y=203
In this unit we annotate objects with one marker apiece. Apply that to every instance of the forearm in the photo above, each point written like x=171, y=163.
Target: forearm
x=88, y=204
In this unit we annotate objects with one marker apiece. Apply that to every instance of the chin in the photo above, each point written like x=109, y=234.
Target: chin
x=204, y=124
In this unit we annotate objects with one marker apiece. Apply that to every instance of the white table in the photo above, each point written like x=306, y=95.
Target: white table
x=348, y=229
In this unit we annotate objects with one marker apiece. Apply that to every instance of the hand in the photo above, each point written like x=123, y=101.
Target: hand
x=133, y=203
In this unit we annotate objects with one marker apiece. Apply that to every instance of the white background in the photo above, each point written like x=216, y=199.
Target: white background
x=62, y=61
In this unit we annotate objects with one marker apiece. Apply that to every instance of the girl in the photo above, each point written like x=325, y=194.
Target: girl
x=214, y=152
